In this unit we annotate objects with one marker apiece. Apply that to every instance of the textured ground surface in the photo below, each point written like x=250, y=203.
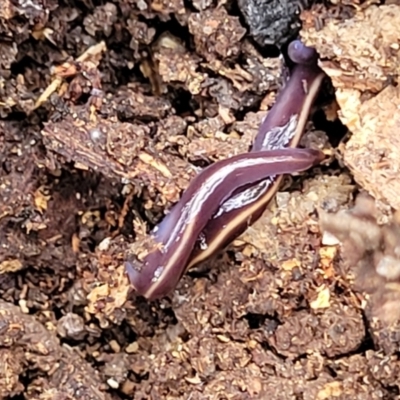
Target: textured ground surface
x=107, y=110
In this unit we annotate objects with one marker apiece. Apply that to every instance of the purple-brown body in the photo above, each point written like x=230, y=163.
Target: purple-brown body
x=162, y=268
x=283, y=127
x=228, y=196
x=285, y=122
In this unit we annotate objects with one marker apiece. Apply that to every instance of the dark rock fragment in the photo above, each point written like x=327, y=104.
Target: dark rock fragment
x=273, y=22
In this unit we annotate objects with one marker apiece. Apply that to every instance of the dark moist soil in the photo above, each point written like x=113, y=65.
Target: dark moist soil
x=107, y=110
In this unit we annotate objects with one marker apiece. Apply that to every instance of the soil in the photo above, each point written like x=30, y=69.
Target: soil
x=107, y=111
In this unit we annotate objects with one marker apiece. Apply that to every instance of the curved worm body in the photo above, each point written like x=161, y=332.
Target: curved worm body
x=227, y=197
x=283, y=127
x=175, y=237
x=235, y=215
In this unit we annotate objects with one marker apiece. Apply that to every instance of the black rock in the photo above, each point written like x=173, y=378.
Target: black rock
x=273, y=22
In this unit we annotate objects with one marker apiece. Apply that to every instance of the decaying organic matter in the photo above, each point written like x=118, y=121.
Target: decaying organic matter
x=362, y=57
x=371, y=253
x=55, y=371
